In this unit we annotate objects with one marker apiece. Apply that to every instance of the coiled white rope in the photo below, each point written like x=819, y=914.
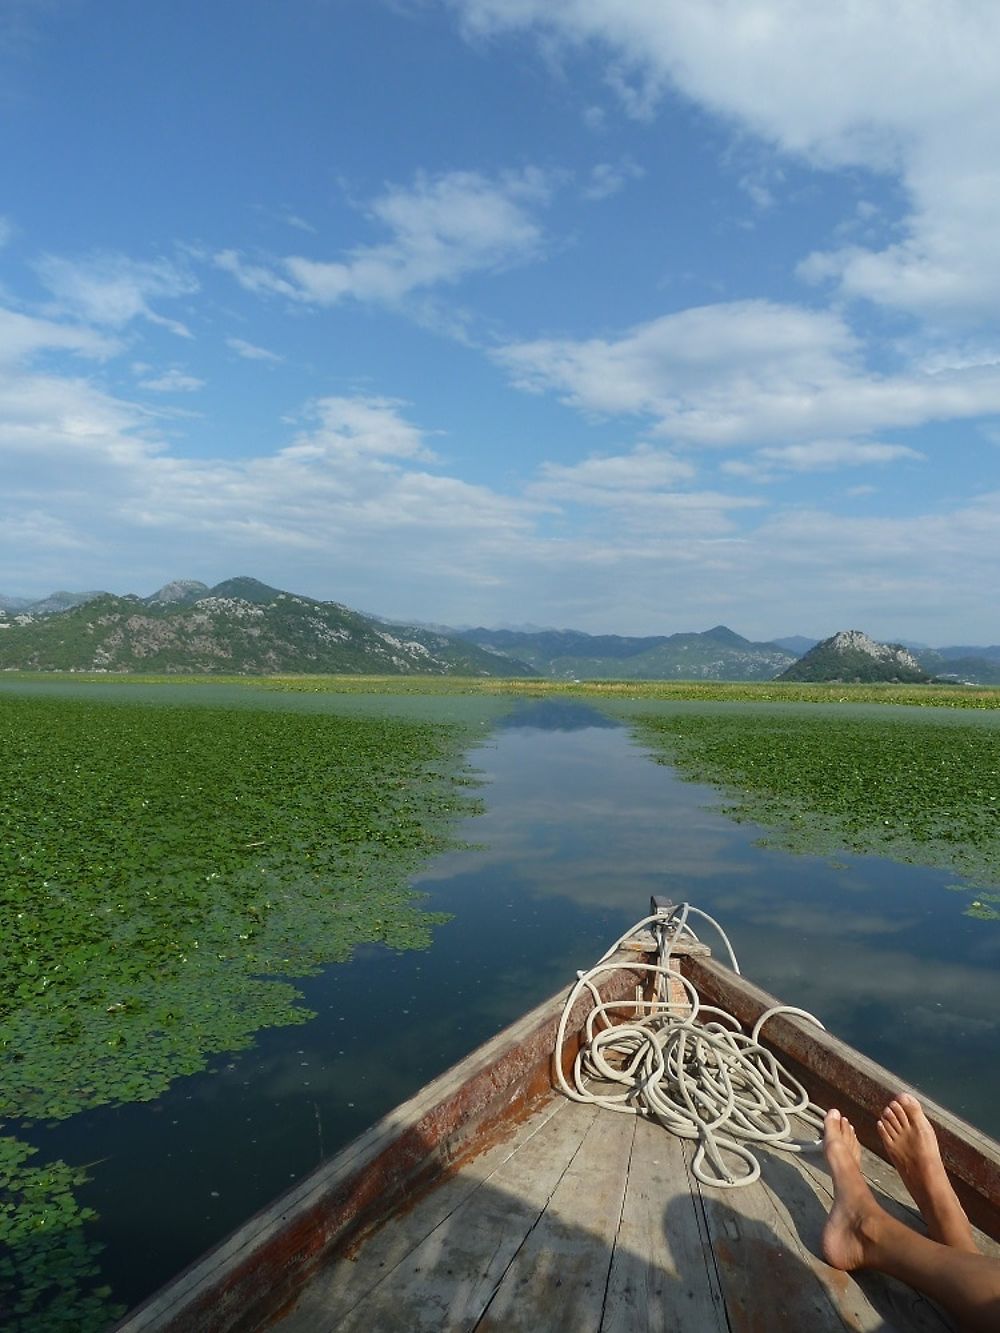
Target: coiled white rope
x=686, y=1064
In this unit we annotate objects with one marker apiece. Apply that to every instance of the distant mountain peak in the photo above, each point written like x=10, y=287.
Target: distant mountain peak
x=178, y=591
x=723, y=634
x=852, y=655
x=246, y=589
x=855, y=640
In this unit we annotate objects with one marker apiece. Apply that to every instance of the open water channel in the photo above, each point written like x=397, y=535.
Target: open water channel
x=580, y=828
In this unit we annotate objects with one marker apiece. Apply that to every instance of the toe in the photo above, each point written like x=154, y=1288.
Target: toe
x=908, y=1104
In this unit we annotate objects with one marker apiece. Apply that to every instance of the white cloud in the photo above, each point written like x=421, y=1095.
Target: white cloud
x=441, y=229
x=746, y=372
x=22, y=337
x=633, y=495
x=615, y=479
x=846, y=85
x=945, y=267
x=354, y=506
x=352, y=491
x=300, y=224
x=893, y=87
x=759, y=184
x=250, y=352
x=254, y=277
x=825, y=455
x=607, y=178
x=173, y=381
x=347, y=427
x=111, y=290
x=821, y=455
x=7, y=231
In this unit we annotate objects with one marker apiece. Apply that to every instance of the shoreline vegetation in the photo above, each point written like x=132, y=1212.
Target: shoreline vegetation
x=708, y=691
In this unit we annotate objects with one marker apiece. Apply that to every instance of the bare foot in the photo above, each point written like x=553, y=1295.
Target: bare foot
x=912, y=1147
x=854, y=1208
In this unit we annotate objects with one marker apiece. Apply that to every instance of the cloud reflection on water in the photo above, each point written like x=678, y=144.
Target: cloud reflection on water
x=583, y=815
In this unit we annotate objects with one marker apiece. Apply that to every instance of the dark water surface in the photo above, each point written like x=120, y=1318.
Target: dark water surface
x=580, y=828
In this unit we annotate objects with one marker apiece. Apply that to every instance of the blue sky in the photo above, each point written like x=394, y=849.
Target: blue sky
x=627, y=315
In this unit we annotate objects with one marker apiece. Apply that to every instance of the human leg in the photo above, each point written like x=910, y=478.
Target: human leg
x=859, y=1233
x=912, y=1147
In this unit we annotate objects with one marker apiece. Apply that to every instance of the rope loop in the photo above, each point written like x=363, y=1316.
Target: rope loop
x=688, y=1065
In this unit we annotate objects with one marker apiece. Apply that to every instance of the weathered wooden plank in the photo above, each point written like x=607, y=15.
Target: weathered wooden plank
x=663, y=1279
x=646, y=942
x=345, y=1281
x=450, y=1274
x=257, y=1271
x=558, y=1279
x=768, y=1277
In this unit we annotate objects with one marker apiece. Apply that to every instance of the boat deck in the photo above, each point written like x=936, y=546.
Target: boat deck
x=585, y=1220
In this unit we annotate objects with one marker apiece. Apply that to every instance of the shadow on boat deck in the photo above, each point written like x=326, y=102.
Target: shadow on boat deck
x=593, y=1224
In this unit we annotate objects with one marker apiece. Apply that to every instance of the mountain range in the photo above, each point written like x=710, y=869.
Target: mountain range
x=243, y=626
x=715, y=654
x=240, y=626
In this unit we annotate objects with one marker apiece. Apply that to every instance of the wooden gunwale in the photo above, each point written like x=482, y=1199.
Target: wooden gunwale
x=247, y=1280
x=835, y=1074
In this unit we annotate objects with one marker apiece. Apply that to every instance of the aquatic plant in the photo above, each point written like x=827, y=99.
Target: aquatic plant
x=162, y=869
x=908, y=788
x=47, y=1262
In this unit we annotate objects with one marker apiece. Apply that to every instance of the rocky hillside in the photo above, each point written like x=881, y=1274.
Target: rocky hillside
x=716, y=654
x=238, y=627
x=852, y=656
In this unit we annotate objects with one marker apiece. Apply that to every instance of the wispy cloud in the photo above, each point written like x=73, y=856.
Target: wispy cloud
x=819, y=456
x=441, y=228
x=608, y=178
x=251, y=352
x=172, y=381
x=22, y=337
x=618, y=477
x=111, y=290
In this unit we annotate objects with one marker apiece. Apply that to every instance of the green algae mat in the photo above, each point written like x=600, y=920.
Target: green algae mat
x=163, y=870
x=889, y=784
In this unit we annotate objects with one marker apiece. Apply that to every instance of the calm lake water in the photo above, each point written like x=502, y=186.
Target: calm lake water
x=581, y=827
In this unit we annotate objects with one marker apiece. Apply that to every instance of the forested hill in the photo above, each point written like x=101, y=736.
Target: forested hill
x=716, y=654
x=240, y=626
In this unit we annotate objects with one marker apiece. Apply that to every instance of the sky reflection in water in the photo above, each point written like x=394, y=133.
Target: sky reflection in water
x=879, y=950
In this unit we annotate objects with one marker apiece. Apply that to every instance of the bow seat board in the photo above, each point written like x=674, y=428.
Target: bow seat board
x=592, y=1222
